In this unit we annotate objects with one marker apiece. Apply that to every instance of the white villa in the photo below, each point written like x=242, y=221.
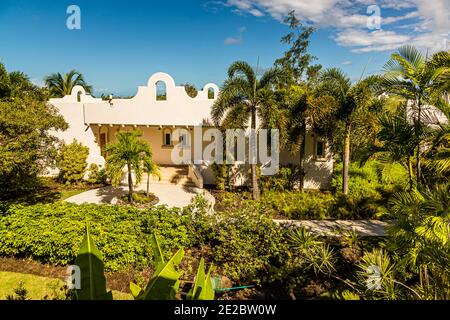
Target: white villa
x=94, y=122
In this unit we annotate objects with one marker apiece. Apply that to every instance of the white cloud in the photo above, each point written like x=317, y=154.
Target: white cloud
x=232, y=40
x=236, y=39
x=428, y=21
x=346, y=63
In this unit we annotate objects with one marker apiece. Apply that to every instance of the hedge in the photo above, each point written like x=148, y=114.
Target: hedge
x=51, y=233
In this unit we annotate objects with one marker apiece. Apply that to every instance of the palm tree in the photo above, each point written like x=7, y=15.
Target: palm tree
x=131, y=152
x=349, y=98
x=421, y=236
x=151, y=169
x=396, y=141
x=302, y=110
x=60, y=85
x=412, y=76
x=243, y=97
x=437, y=155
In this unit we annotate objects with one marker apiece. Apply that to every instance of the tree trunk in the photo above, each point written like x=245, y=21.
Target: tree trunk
x=130, y=184
x=302, y=156
x=418, y=169
x=346, y=158
x=148, y=184
x=410, y=174
x=255, y=188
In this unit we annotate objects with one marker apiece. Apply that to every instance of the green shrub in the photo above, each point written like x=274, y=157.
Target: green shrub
x=96, y=175
x=371, y=179
x=363, y=181
x=71, y=162
x=51, y=233
x=298, y=205
x=248, y=246
x=285, y=179
x=220, y=172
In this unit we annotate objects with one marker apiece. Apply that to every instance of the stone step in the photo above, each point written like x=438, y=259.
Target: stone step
x=171, y=175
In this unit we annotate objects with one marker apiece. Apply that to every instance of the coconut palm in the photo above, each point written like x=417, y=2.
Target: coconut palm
x=60, y=85
x=130, y=152
x=241, y=99
x=349, y=98
x=412, y=76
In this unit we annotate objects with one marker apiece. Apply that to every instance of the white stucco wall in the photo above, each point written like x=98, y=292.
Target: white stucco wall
x=89, y=117
x=143, y=109
x=72, y=111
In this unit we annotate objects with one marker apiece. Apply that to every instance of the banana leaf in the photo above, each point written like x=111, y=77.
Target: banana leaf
x=165, y=282
x=203, y=287
x=90, y=262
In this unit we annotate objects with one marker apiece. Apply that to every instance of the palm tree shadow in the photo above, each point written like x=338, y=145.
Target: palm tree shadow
x=107, y=194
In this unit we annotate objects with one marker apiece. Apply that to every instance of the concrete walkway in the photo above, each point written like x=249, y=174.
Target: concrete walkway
x=335, y=227
x=172, y=195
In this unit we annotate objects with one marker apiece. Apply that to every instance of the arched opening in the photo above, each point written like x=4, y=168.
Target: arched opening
x=79, y=93
x=161, y=91
x=211, y=93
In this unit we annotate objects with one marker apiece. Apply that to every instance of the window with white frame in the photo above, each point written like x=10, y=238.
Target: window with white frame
x=319, y=149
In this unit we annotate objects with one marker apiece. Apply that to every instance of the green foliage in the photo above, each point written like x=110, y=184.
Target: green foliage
x=363, y=180
x=370, y=187
x=96, y=175
x=130, y=152
x=164, y=283
x=71, y=162
x=20, y=293
x=248, y=245
x=285, y=179
x=312, y=253
x=203, y=287
x=298, y=205
x=51, y=233
x=220, y=172
x=90, y=262
x=191, y=90
x=60, y=85
x=26, y=147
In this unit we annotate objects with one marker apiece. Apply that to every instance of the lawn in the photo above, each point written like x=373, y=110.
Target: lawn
x=39, y=287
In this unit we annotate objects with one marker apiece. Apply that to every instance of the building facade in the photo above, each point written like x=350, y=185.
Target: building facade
x=161, y=110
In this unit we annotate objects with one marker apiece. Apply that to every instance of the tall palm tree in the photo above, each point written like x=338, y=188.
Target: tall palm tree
x=349, y=98
x=128, y=151
x=243, y=97
x=60, y=85
x=412, y=76
x=302, y=110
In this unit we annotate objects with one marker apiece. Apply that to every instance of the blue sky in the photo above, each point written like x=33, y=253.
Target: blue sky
x=121, y=43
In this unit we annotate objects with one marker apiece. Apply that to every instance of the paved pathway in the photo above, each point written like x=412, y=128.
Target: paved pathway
x=332, y=227
x=172, y=195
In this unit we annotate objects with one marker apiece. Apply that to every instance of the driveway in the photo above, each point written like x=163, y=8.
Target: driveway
x=172, y=195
